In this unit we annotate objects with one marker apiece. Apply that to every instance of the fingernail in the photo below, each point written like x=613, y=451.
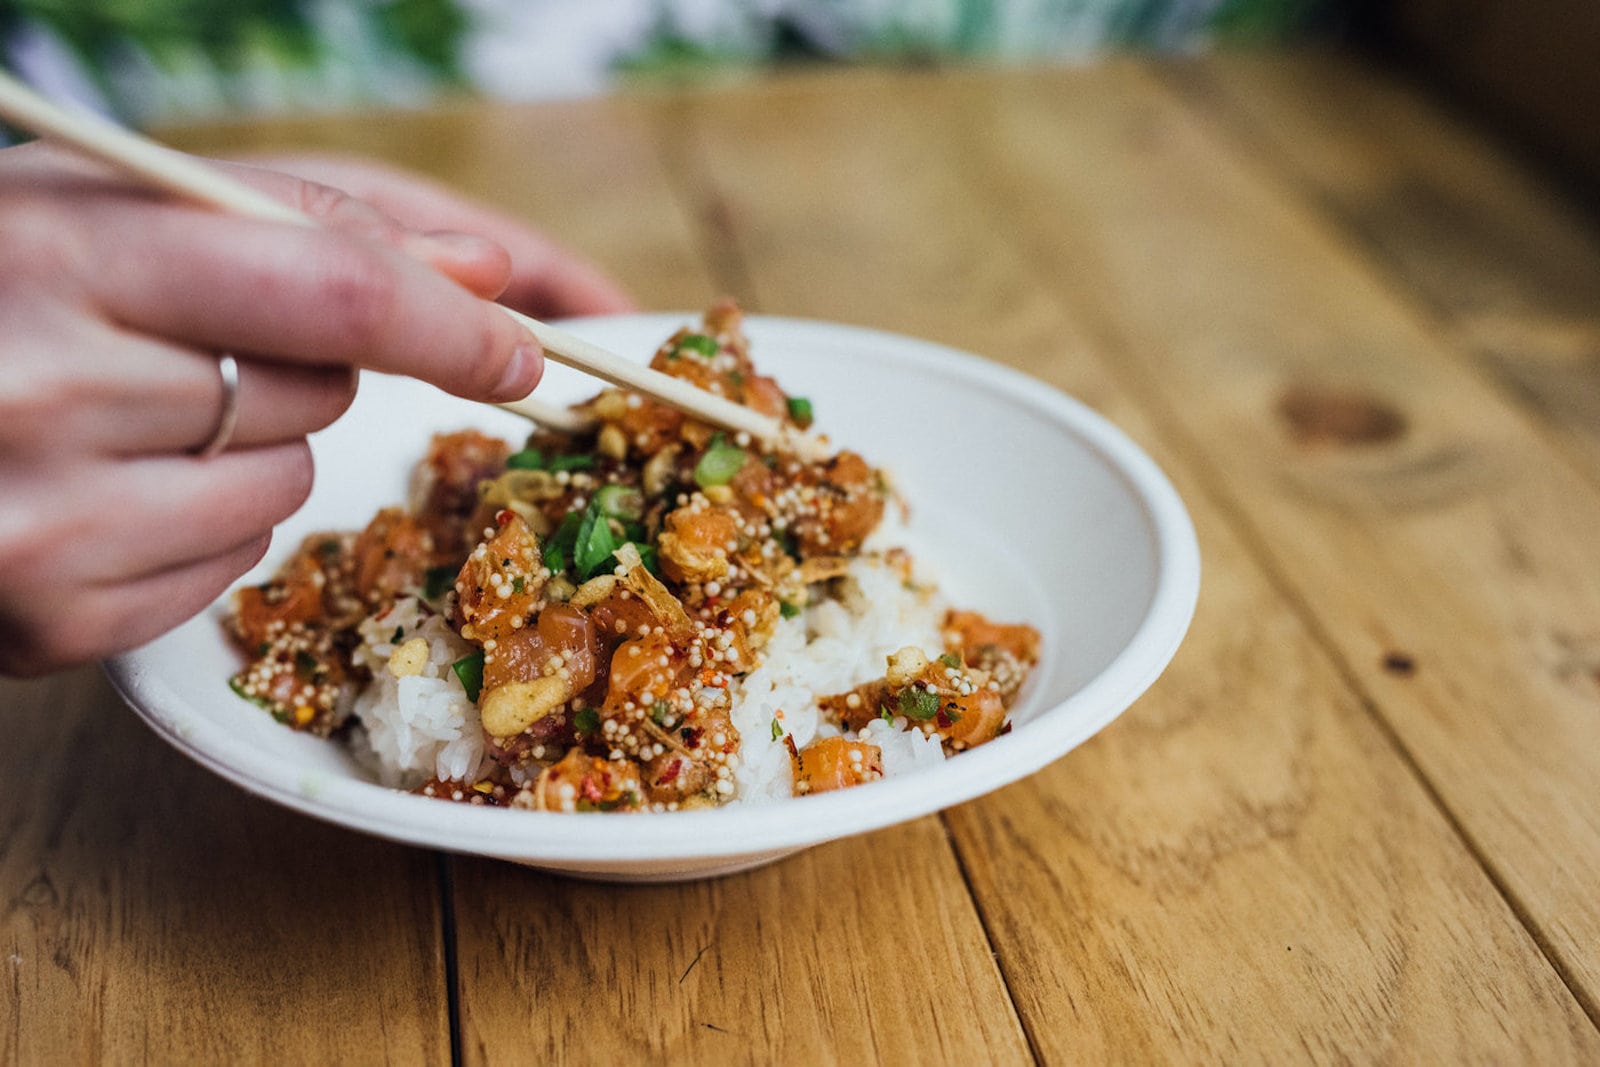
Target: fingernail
x=462, y=244
x=446, y=247
x=522, y=373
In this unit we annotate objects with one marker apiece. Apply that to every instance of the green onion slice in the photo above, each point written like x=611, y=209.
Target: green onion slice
x=800, y=411
x=620, y=502
x=529, y=459
x=720, y=463
x=918, y=704
x=437, y=581
x=469, y=670
x=700, y=344
x=594, y=544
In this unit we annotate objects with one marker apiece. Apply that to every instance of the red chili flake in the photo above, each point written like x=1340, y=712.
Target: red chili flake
x=944, y=721
x=669, y=773
x=503, y=516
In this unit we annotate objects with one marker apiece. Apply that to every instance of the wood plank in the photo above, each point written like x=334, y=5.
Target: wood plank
x=1509, y=268
x=862, y=951
x=1437, y=539
x=1530, y=66
x=1243, y=866
x=151, y=912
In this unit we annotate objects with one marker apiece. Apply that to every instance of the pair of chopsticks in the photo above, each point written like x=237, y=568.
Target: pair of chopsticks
x=189, y=178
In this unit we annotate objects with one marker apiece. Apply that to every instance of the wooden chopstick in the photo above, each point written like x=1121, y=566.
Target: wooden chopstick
x=184, y=176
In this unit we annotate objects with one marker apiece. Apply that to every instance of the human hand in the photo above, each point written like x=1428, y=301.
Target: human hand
x=114, y=306
x=542, y=278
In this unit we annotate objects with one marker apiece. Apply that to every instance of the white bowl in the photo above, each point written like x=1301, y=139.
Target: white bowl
x=1027, y=505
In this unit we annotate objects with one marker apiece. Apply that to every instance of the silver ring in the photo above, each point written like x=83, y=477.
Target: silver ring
x=228, y=418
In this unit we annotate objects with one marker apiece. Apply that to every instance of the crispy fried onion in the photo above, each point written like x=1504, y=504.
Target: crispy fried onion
x=657, y=597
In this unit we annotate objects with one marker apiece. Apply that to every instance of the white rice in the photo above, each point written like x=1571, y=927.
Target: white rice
x=423, y=726
x=832, y=647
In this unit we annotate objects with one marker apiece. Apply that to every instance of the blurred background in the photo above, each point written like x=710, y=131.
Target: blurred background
x=1527, y=66
x=155, y=61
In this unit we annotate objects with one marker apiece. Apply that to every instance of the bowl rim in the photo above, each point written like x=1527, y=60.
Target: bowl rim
x=735, y=831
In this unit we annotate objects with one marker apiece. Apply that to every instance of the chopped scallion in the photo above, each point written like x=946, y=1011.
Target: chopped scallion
x=800, y=411
x=919, y=704
x=469, y=671
x=698, y=343
x=558, y=546
x=594, y=544
x=529, y=459
x=437, y=581
x=719, y=464
x=620, y=501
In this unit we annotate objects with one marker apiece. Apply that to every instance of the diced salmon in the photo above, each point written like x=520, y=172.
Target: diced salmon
x=830, y=763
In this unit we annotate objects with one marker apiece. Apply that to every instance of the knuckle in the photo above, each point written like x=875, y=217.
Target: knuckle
x=320, y=201
x=344, y=212
x=363, y=291
x=46, y=404
x=33, y=236
x=33, y=408
x=38, y=538
x=491, y=350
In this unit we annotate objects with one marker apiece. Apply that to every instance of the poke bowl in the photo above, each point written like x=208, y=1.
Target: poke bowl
x=1020, y=503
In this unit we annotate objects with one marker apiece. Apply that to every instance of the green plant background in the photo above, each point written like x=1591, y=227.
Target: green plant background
x=152, y=60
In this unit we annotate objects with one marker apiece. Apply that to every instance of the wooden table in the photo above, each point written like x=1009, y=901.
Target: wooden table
x=1358, y=818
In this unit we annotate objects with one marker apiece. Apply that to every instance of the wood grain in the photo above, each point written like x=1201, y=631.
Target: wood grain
x=1355, y=820
x=1463, y=547
x=863, y=951
x=1507, y=269
x=1148, y=894
x=151, y=912
x=1530, y=66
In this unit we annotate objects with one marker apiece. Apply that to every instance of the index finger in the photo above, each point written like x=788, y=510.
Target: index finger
x=546, y=279
x=298, y=295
